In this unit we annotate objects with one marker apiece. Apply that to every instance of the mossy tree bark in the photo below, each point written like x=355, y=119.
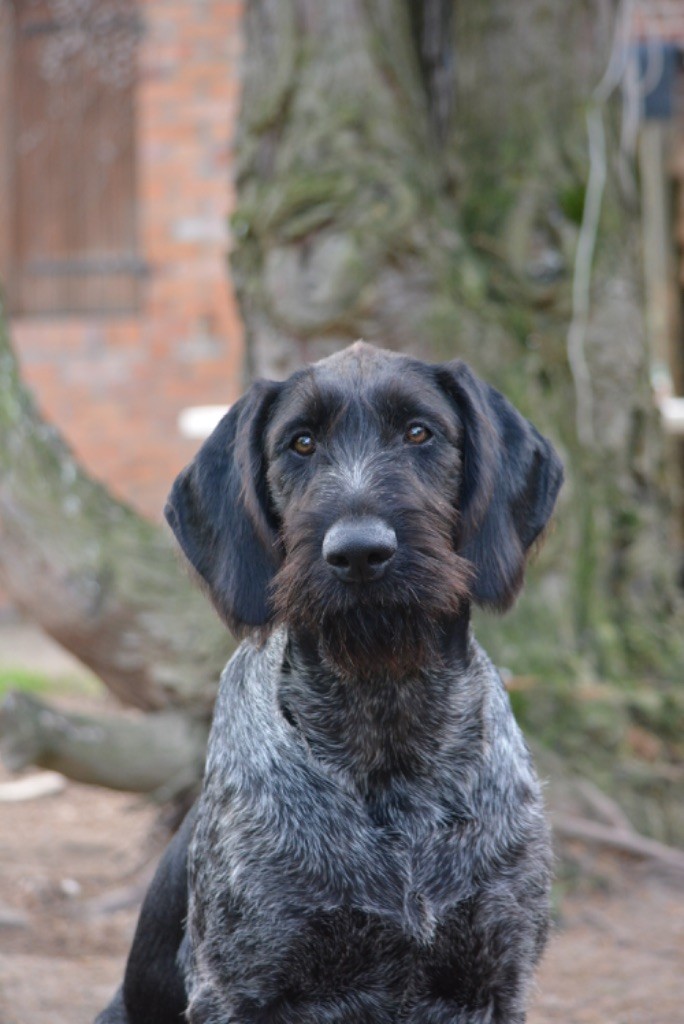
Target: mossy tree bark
x=110, y=588
x=415, y=174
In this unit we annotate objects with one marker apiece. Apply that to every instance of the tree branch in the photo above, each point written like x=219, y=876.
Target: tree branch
x=620, y=839
x=158, y=753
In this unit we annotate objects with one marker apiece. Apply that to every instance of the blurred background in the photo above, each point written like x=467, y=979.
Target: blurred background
x=197, y=192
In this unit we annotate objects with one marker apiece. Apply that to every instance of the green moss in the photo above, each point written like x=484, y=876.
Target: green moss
x=21, y=679
x=520, y=322
x=28, y=681
x=486, y=204
x=302, y=202
x=662, y=713
x=586, y=726
x=571, y=200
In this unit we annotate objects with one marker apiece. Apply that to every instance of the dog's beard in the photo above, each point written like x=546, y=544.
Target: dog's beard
x=388, y=628
x=395, y=644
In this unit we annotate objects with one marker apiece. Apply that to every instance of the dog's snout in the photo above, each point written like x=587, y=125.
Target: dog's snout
x=359, y=550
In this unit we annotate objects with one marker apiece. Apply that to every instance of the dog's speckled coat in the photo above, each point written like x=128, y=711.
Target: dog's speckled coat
x=370, y=844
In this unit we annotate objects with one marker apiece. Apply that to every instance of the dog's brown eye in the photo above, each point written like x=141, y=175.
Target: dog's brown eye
x=417, y=434
x=304, y=444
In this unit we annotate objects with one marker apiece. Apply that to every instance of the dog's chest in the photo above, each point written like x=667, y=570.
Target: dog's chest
x=302, y=886
x=319, y=900
x=308, y=849
x=302, y=834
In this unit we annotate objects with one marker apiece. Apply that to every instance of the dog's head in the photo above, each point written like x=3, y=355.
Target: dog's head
x=365, y=500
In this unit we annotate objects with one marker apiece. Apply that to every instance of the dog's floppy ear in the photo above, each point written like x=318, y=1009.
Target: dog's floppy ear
x=510, y=480
x=219, y=511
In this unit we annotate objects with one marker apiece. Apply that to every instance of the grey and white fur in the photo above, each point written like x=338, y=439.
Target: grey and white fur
x=370, y=844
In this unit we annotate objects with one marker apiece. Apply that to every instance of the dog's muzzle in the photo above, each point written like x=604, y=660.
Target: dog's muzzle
x=359, y=550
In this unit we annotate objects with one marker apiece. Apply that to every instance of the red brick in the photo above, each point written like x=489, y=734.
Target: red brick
x=115, y=386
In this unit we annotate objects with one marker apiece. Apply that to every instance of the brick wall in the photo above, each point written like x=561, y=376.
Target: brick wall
x=115, y=384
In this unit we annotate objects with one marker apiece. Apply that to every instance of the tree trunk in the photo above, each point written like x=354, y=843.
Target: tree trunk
x=102, y=581
x=416, y=174
x=108, y=586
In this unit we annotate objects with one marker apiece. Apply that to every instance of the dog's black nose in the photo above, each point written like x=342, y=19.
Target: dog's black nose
x=359, y=550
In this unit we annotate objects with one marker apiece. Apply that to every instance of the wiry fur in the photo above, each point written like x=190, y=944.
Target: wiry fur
x=338, y=876
x=370, y=843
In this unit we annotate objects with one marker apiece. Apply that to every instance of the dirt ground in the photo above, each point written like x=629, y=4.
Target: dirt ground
x=616, y=956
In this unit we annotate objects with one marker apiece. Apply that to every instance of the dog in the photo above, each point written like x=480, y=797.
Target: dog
x=370, y=844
